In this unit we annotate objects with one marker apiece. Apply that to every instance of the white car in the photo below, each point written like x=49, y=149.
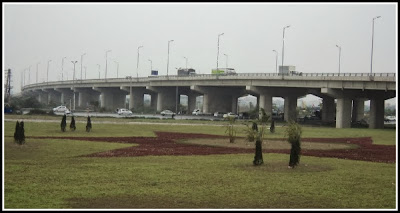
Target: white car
x=167, y=112
x=63, y=109
x=230, y=115
x=196, y=112
x=124, y=112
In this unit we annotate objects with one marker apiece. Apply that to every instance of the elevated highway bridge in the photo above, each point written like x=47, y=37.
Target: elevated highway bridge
x=221, y=92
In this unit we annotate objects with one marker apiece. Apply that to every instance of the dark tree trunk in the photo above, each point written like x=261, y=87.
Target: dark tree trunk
x=258, y=158
x=63, y=123
x=272, y=128
x=16, y=132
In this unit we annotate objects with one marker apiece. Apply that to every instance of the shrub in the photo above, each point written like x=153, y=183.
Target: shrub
x=19, y=134
x=88, y=125
x=293, y=132
x=72, y=125
x=63, y=123
x=230, y=130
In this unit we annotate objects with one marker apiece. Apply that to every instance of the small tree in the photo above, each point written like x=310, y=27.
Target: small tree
x=230, y=130
x=88, y=125
x=19, y=134
x=63, y=123
x=258, y=158
x=272, y=128
x=72, y=125
x=294, y=133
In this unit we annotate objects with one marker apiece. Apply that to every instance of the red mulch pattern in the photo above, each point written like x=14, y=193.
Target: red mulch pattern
x=164, y=144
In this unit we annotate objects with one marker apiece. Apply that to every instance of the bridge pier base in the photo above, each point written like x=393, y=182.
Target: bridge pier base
x=328, y=109
x=290, y=108
x=343, y=112
x=265, y=102
x=377, y=113
x=358, y=110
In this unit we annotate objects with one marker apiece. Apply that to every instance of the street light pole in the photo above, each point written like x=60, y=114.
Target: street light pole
x=226, y=60
x=218, y=49
x=73, y=82
x=62, y=69
x=137, y=63
x=29, y=80
x=37, y=71
x=168, y=56
x=48, y=70
x=85, y=71
x=105, y=74
x=117, y=67
x=340, y=50
x=186, y=61
x=151, y=65
x=283, y=46
x=82, y=64
x=372, y=48
x=276, y=61
x=99, y=70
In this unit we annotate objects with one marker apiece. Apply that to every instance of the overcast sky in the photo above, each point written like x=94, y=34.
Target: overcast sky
x=36, y=33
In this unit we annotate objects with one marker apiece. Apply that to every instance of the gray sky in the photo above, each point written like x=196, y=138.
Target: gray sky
x=35, y=33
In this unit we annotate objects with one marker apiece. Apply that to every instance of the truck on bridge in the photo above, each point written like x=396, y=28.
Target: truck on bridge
x=223, y=71
x=186, y=71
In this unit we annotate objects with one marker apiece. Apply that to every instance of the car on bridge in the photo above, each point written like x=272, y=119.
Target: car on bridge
x=125, y=112
x=63, y=109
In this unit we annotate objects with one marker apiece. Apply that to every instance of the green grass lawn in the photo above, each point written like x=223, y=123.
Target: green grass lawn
x=48, y=173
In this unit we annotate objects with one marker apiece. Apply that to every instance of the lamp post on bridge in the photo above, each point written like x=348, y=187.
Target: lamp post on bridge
x=186, y=61
x=105, y=74
x=340, y=50
x=372, y=47
x=37, y=71
x=226, y=60
x=137, y=63
x=48, y=71
x=283, y=46
x=99, y=69
x=82, y=64
x=218, y=49
x=73, y=82
x=276, y=61
x=117, y=67
x=168, y=56
x=62, y=69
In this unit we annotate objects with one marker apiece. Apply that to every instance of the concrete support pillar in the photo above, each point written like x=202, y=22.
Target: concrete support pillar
x=191, y=103
x=343, y=113
x=358, y=110
x=265, y=102
x=234, y=104
x=65, y=96
x=328, y=109
x=377, y=113
x=290, y=108
x=136, y=97
x=205, y=103
x=153, y=103
x=112, y=98
x=43, y=97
